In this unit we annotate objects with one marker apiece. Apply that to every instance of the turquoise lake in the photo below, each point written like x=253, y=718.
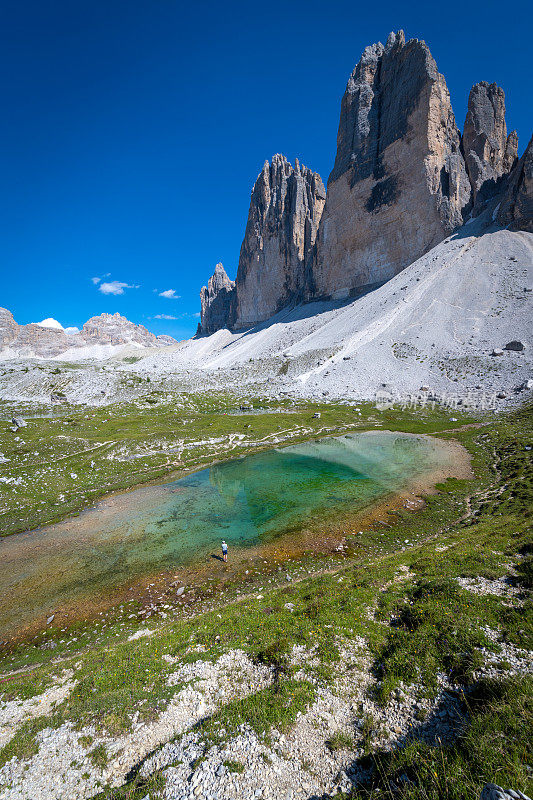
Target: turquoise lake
x=248, y=502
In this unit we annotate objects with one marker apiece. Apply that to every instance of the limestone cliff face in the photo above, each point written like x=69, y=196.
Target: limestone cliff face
x=489, y=153
x=399, y=183
x=216, y=299
x=516, y=207
x=30, y=340
x=285, y=210
x=8, y=328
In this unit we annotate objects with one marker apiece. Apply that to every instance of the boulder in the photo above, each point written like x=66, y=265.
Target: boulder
x=515, y=345
x=491, y=791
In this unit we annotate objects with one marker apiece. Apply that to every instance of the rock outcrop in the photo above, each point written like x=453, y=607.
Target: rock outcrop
x=285, y=210
x=516, y=207
x=489, y=153
x=216, y=299
x=8, y=328
x=404, y=179
x=39, y=341
x=399, y=183
x=115, y=329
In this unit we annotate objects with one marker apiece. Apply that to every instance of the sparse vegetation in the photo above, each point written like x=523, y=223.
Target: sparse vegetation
x=340, y=741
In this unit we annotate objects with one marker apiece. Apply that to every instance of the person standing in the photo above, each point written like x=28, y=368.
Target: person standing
x=224, y=550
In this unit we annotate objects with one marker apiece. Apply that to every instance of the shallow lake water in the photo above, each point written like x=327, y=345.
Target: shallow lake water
x=248, y=501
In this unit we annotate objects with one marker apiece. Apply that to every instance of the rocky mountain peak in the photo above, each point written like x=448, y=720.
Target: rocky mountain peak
x=36, y=340
x=285, y=208
x=115, y=329
x=403, y=179
x=399, y=183
x=516, y=207
x=216, y=300
x=489, y=153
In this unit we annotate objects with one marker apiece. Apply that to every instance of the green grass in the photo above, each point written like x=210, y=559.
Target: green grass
x=496, y=747
x=121, y=445
x=340, y=741
x=24, y=743
x=274, y=707
x=436, y=626
x=234, y=766
x=98, y=756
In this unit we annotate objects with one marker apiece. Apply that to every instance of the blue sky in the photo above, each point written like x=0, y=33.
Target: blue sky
x=133, y=131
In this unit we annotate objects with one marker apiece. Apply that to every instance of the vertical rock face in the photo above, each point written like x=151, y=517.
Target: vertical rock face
x=285, y=209
x=516, y=207
x=399, y=183
x=42, y=342
x=216, y=300
x=489, y=153
x=8, y=328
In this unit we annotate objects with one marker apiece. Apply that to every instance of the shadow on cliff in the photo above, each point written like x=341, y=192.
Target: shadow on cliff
x=478, y=226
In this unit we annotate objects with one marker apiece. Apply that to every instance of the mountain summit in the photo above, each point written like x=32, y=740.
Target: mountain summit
x=38, y=341
x=404, y=178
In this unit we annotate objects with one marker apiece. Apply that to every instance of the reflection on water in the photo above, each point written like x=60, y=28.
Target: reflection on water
x=246, y=501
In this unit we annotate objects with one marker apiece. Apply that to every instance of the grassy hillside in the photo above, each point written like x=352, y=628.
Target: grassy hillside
x=412, y=619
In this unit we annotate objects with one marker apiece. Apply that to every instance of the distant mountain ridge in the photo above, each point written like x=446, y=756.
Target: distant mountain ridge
x=37, y=341
x=404, y=178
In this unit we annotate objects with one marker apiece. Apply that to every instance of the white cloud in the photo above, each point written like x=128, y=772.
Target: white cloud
x=97, y=280
x=164, y=316
x=49, y=322
x=197, y=315
x=115, y=287
x=170, y=294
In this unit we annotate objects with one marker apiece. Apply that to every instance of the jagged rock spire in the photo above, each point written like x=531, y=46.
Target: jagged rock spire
x=489, y=153
x=216, y=300
x=285, y=209
x=399, y=183
x=516, y=207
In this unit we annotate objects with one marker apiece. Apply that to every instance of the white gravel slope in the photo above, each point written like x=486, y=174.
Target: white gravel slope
x=435, y=324
x=437, y=320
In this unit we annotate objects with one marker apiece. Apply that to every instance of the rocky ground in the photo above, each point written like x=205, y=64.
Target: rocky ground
x=318, y=755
